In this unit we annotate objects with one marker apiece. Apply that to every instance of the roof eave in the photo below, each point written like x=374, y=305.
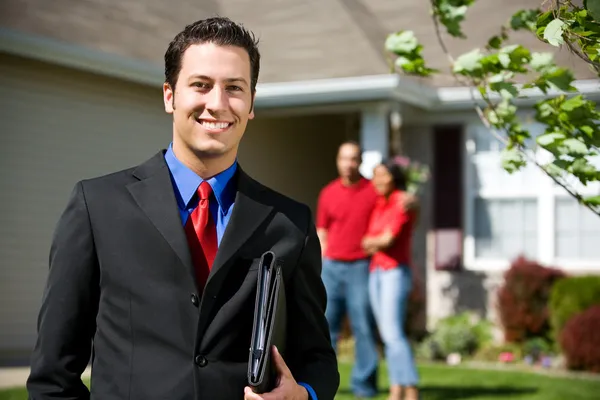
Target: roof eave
x=374, y=88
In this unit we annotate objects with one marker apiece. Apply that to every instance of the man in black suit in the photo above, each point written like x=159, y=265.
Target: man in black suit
x=136, y=281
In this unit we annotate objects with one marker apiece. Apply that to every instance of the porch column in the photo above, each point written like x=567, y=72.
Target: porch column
x=374, y=138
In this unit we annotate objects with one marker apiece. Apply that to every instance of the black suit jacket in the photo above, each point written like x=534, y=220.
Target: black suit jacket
x=121, y=289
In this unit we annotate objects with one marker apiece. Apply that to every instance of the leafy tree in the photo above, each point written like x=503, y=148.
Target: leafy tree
x=572, y=135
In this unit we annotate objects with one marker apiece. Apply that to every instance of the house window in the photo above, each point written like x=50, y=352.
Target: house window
x=505, y=227
x=577, y=231
x=524, y=213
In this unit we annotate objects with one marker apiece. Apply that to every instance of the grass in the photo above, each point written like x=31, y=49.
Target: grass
x=439, y=382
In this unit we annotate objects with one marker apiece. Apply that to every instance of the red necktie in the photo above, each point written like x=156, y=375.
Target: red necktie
x=201, y=233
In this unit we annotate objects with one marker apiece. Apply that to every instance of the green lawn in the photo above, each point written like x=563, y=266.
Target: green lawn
x=439, y=382
x=453, y=383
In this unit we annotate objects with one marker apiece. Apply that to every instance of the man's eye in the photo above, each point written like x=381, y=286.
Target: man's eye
x=201, y=85
x=234, y=88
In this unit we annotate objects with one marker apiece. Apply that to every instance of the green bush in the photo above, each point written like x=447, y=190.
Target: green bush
x=571, y=296
x=456, y=334
x=491, y=352
x=536, y=348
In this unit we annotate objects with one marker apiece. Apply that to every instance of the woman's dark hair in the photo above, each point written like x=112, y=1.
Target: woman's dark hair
x=398, y=175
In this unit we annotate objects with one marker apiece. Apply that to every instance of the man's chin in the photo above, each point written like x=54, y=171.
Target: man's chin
x=211, y=151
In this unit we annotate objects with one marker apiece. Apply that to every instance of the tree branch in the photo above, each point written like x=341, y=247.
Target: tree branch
x=492, y=106
x=571, y=192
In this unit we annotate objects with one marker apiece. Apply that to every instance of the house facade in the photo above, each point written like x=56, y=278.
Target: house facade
x=81, y=84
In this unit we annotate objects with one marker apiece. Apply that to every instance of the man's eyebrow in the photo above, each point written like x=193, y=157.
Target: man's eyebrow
x=203, y=77
x=231, y=80
x=228, y=80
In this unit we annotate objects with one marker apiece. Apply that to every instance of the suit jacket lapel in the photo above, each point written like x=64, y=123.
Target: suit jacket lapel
x=154, y=195
x=247, y=215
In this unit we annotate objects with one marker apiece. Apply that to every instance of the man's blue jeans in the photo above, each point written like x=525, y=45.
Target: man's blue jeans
x=348, y=291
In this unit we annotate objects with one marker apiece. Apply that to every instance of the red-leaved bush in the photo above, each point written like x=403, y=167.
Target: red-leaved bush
x=580, y=340
x=523, y=299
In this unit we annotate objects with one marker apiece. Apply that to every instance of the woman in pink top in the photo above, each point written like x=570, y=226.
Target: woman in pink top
x=389, y=240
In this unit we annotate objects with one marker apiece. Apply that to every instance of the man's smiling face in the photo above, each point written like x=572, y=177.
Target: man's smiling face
x=212, y=101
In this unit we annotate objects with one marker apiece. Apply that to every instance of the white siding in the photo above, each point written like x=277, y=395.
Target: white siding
x=58, y=126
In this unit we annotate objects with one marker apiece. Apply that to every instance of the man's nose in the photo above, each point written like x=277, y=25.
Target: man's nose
x=216, y=99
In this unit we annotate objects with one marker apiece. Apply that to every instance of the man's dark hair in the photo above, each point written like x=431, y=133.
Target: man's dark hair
x=218, y=30
x=397, y=172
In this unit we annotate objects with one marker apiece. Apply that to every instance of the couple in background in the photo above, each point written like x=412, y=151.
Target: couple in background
x=365, y=228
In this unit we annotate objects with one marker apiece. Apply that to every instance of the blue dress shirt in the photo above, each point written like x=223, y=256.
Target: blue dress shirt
x=186, y=183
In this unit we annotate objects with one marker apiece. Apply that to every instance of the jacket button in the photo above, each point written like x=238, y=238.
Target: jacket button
x=194, y=298
x=201, y=361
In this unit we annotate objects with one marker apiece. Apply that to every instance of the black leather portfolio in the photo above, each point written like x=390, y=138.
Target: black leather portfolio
x=269, y=327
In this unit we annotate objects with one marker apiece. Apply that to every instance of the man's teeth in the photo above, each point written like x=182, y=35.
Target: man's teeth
x=214, y=125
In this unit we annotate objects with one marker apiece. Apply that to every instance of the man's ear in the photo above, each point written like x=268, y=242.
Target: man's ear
x=168, y=98
x=251, y=116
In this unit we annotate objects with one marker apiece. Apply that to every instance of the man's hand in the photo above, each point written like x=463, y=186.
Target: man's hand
x=287, y=388
x=409, y=201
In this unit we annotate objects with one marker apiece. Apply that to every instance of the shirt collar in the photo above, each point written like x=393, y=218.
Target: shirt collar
x=187, y=182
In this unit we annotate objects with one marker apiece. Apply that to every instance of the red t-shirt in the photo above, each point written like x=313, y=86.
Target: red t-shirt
x=344, y=211
x=390, y=214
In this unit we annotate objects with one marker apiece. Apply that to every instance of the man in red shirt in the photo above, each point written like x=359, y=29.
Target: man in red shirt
x=343, y=214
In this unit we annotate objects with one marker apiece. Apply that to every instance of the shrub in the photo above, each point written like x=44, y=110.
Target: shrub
x=571, y=296
x=491, y=352
x=536, y=348
x=580, y=340
x=456, y=334
x=523, y=299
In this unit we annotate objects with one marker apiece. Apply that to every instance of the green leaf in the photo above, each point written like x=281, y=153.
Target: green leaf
x=524, y=19
x=575, y=147
x=544, y=19
x=548, y=139
x=561, y=78
x=451, y=13
x=541, y=61
x=583, y=170
x=401, y=42
x=593, y=200
x=593, y=7
x=402, y=61
x=495, y=42
x=506, y=89
x=588, y=130
x=553, y=170
x=469, y=62
x=512, y=160
x=573, y=103
x=504, y=59
x=554, y=31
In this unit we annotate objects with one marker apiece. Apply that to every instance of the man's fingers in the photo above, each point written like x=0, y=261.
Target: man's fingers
x=280, y=364
x=250, y=395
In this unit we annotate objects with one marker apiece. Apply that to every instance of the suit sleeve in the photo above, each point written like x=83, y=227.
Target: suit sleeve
x=66, y=322
x=313, y=359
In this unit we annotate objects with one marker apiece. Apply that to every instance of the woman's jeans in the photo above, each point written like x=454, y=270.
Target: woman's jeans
x=388, y=292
